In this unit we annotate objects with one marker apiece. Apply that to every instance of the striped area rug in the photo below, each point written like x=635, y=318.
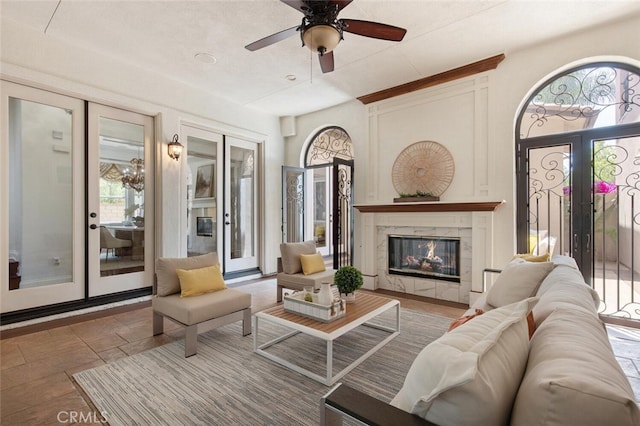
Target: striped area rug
x=226, y=383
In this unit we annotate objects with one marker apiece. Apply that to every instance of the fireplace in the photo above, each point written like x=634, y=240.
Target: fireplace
x=425, y=257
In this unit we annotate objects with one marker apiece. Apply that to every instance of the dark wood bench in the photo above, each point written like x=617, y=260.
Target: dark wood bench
x=344, y=400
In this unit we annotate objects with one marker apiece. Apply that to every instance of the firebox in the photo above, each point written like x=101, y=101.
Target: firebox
x=425, y=257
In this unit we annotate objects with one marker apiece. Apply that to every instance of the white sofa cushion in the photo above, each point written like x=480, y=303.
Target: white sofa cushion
x=564, y=287
x=517, y=281
x=470, y=375
x=572, y=377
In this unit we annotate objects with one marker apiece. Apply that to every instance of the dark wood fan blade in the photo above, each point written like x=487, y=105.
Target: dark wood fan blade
x=374, y=29
x=299, y=5
x=341, y=3
x=273, y=38
x=326, y=62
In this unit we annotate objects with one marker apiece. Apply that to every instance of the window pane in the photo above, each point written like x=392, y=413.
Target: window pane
x=121, y=197
x=40, y=194
x=242, y=206
x=586, y=98
x=202, y=236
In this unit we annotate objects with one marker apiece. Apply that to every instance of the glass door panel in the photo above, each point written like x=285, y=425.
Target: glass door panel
x=615, y=194
x=321, y=209
x=241, y=207
x=42, y=198
x=293, y=204
x=550, y=193
x=119, y=189
x=203, y=227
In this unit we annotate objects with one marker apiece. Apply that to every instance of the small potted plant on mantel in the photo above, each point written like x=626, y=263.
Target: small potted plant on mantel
x=416, y=197
x=348, y=279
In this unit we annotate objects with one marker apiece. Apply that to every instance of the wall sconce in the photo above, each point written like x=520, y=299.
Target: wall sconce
x=175, y=148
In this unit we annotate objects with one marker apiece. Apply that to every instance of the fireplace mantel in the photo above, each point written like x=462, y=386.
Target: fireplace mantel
x=471, y=221
x=430, y=207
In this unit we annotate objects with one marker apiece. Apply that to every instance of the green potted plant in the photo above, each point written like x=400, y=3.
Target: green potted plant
x=348, y=279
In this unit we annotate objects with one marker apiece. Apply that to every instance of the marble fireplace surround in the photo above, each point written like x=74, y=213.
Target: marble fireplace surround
x=472, y=222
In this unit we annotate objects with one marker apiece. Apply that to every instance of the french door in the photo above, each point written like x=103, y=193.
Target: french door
x=342, y=212
x=120, y=200
x=307, y=206
x=222, y=179
x=318, y=201
x=320, y=208
x=241, y=231
x=42, y=202
x=204, y=179
x=579, y=195
x=293, y=204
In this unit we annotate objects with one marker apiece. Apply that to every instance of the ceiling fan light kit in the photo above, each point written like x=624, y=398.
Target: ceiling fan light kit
x=321, y=38
x=321, y=30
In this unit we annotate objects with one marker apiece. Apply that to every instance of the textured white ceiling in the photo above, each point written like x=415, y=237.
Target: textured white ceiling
x=164, y=36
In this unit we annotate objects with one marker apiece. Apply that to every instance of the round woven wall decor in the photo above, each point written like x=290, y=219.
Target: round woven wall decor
x=425, y=166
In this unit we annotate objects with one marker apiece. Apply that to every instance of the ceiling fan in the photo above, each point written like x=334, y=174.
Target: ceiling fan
x=321, y=30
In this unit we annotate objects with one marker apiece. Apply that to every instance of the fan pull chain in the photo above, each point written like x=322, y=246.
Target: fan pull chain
x=310, y=67
x=52, y=15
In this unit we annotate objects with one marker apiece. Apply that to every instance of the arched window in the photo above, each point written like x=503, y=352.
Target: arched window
x=578, y=177
x=589, y=97
x=326, y=144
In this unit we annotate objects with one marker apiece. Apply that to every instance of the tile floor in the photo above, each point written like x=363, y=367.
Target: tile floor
x=38, y=361
x=625, y=342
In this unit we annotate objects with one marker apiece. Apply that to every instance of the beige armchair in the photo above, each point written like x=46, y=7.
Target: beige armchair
x=109, y=242
x=290, y=274
x=196, y=313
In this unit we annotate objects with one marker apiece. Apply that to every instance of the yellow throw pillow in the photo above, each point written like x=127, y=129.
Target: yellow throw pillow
x=312, y=263
x=533, y=258
x=194, y=282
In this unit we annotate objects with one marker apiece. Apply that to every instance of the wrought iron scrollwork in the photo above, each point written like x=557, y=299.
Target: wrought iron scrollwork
x=295, y=191
x=330, y=142
x=616, y=164
x=583, y=95
x=549, y=178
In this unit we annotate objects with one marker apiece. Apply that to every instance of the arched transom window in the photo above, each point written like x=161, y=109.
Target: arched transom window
x=600, y=95
x=328, y=143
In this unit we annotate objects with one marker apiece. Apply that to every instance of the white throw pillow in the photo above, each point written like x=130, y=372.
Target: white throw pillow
x=470, y=376
x=517, y=281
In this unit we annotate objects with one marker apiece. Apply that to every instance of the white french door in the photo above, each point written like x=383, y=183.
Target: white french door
x=320, y=209
x=120, y=200
x=42, y=201
x=203, y=223
x=241, y=232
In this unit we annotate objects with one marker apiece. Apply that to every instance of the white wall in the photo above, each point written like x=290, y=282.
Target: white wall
x=28, y=56
x=476, y=123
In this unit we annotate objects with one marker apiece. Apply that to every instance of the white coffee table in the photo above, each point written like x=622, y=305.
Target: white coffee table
x=366, y=307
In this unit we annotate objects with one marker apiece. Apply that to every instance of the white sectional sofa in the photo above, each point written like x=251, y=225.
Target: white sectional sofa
x=488, y=371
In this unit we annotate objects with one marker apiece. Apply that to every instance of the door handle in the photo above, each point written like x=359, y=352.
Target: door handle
x=93, y=226
x=588, y=245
